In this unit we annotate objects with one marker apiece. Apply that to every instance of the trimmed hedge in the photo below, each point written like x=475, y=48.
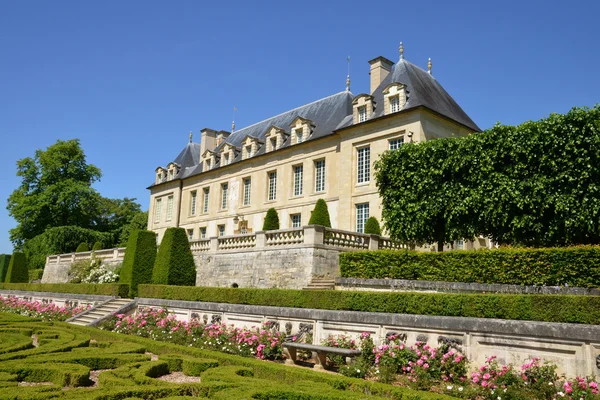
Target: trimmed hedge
x=17, y=269
x=105, y=289
x=35, y=274
x=82, y=248
x=320, y=214
x=576, y=266
x=139, y=260
x=4, y=262
x=271, y=221
x=555, y=308
x=97, y=246
x=174, y=263
x=372, y=226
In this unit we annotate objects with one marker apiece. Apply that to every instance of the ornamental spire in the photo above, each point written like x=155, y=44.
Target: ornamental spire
x=348, y=77
x=429, y=66
x=191, y=135
x=233, y=119
x=401, y=49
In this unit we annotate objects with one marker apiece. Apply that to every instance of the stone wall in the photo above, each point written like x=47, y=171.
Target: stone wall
x=57, y=266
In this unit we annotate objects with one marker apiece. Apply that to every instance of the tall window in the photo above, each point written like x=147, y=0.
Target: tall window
x=296, y=220
x=190, y=233
x=194, y=195
x=320, y=176
x=362, y=214
x=396, y=143
x=205, y=193
x=394, y=104
x=203, y=232
x=157, y=210
x=221, y=230
x=272, y=185
x=225, y=158
x=249, y=151
x=273, y=143
x=247, y=188
x=364, y=164
x=224, y=190
x=362, y=114
x=298, y=174
x=169, y=208
x=299, y=136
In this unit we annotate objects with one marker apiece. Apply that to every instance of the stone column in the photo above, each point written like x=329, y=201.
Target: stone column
x=314, y=234
x=374, y=242
x=261, y=240
x=214, y=244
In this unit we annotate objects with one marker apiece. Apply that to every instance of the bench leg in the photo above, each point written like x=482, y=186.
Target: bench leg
x=320, y=360
x=291, y=355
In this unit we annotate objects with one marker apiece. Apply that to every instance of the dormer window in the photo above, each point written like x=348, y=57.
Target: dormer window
x=161, y=174
x=274, y=137
x=208, y=164
x=225, y=159
x=299, y=135
x=362, y=114
x=248, y=151
x=250, y=146
x=363, y=107
x=301, y=130
x=173, y=169
x=273, y=144
x=394, y=104
x=395, y=97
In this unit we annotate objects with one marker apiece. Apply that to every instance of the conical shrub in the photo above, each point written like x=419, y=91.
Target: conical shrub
x=139, y=259
x=17, y=269
x=97, y=246
x=372, y=226
x=83, y=247
x=320, y=215
x=174, y=263
x=4, y=263
x=271, y=220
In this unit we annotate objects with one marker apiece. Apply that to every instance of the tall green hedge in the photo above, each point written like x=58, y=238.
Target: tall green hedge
x=548, y=308
x=576, y=266
x=271, y=221
x=139, y=260
x=17, y=269
x=4, y=262
x=320, y=215
x=174, y=263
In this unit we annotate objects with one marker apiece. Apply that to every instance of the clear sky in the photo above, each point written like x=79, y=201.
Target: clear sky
x=131, y=79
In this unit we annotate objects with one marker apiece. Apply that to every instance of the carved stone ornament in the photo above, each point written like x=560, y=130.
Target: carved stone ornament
x=215, y=319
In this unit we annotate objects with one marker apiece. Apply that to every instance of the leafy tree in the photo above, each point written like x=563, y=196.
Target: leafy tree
x=116, y=214
x=97, y=246
x=4, y=262
x=320, y=214
x=139, y=260
x=17, y=269
x=83, y=247
x=372, y=226
x=174, y=263
x=55, y=190
x=138, y=222
x=271, y=220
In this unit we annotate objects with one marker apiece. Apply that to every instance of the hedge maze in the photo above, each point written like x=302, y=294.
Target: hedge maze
x=43, y=360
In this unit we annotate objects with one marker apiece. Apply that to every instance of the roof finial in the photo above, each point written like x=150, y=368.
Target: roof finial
x=401, y=48
x=348, y=77
x=429, y=66
x=191, y=135
x=233, y=119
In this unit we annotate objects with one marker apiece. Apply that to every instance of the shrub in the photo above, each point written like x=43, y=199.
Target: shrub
x=140, y=255
x=174, y=263
x=97, y=246
x=35, y=274
x=575, y=266
x=271, y=220
x=320, y=215
x=60, y=240
x=372, y=226
x=4, y=262
x=82, y=248
x=17, y=269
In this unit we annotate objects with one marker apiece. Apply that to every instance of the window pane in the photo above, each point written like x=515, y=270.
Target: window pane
x=193, y=204
x=272, y=185
x=224, y=190
x=364, y=165
x=203, y=233
x=157, y=210
x=247, y=188
x=320, y=176
x=396, y=143
x=362, y=214
x=298, y=173
x=296, y=220
x=206, y=196
x=169, y=208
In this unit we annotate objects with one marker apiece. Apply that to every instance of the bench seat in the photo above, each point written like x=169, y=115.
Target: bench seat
x=291, y=352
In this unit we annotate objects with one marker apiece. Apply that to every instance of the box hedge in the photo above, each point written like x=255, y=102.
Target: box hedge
x=174, y=263
x=320, y=214
x=105, y=289
x=271, y=221
x=17, y=269
x=575, y=266
x=4, y=262
x=139, y=259
x=546, y=308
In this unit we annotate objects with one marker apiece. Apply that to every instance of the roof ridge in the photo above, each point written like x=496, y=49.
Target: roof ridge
x=293, y=109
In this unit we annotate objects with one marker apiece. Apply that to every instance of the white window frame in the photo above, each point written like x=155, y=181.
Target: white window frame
x=221, y=230
x=272, y=187
x=320, y=176
x=193, y=202
x=296, y=220
x=224, y=196
x=394, y=144
x=298, y=179
x=157, y=210
x=206, y=194
x=299, y=135
x=363, y=164
x=273, y=142
x=394, y=103
x=247, y=191
x=190, y=234
x=249, y=151
x=226, y=159
x=362, y=113
x=203, y=232
x=362, y=215
x=170, y=208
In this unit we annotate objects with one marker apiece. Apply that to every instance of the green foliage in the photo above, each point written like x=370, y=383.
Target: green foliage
x=97, y=246
x=139, y=260
x=174, y=263
x=320, y=214
x=533, y=184
x=271, y=220
x=80, y=269
x=35, y=274
x=372, y=226
x=108, y=289
x=548, y=308
x=116, y=216
x=138, y=222
x=17, y=269
x=82, y=248
x=4, y=262
x=575, y=266
x=61, y=240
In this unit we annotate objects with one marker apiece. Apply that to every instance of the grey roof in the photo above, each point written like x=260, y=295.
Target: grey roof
x=189, y=156
x=423, y=90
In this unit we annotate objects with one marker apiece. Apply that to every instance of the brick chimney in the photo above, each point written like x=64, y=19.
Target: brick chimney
x=380, y=68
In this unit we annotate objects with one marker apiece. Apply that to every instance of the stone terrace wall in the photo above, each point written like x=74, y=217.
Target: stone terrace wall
x=57, y=266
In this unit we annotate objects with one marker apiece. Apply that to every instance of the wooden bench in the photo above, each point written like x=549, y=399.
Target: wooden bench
x=291, y=350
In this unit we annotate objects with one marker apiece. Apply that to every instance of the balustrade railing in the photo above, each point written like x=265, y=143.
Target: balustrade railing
x=389, y=244
x=199, y=246
x=237, y=242
x=284, y=237
x=346, y=239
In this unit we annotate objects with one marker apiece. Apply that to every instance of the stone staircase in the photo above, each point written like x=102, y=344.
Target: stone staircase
x=321, y=284
x=99, y=313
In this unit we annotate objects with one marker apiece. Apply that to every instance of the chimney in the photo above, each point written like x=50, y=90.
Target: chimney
x=208, y=141
x=380, y=68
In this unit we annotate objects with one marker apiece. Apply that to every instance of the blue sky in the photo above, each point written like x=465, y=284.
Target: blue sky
x=131, y=79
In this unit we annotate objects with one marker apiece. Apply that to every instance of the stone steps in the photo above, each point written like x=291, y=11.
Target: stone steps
x=320, y=284
x=93, y=315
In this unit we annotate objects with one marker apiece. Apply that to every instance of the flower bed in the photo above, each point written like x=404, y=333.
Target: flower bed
x=46, y=312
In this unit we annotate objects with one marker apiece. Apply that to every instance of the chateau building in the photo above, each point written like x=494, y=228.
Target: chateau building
x=326, y=149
